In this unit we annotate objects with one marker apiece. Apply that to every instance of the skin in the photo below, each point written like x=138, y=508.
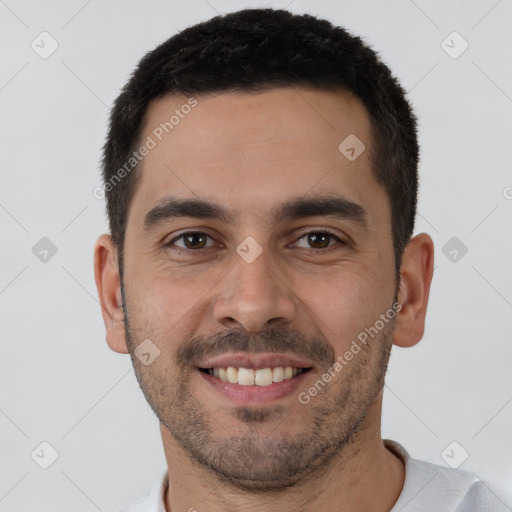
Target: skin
x=249, y=153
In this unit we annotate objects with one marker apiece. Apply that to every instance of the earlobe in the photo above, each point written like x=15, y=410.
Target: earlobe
x=415, y=280
x=107, y=278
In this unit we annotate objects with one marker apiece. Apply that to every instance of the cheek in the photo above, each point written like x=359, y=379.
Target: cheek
x=344, y=306
x=167, y=303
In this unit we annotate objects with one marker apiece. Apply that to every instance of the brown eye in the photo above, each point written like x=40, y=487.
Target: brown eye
x=319, y=239
x=192, y=240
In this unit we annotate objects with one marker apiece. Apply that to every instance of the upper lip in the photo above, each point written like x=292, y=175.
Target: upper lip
x=255, y=361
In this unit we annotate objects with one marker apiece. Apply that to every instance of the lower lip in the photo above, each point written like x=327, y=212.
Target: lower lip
x=254, y=395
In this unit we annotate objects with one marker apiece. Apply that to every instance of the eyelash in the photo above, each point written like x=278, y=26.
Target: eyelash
x=312, y=250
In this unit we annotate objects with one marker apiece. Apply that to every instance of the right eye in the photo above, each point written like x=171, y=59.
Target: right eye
x=192, y=241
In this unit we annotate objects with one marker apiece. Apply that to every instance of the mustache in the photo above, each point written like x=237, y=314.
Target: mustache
x=278, y=340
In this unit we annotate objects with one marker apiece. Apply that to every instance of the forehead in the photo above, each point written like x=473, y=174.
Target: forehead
x=248, y=150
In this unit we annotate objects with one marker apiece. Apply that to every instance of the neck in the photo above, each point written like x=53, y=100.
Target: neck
x=364, y=476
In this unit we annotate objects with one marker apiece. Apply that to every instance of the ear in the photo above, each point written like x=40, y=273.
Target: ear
x=108, y=284
x=415, y=278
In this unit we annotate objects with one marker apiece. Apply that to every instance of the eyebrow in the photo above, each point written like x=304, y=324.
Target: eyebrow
x=330, y=206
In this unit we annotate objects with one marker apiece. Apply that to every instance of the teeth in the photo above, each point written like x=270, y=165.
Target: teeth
x=262, y=377
x=232, y=374
x=250, y=377
x=245, y=377
x=278, y=374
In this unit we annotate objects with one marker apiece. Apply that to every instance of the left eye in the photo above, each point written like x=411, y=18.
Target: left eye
x=319, y=239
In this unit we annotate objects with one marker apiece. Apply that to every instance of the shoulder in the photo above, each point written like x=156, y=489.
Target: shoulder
x=430, y=487
x=480, y=498
x=141, y=505
x=154, y=501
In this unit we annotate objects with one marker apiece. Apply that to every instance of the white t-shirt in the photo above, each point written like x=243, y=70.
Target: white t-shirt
x=427, y=488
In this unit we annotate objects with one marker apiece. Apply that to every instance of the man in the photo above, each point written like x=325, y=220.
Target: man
x=260, y=172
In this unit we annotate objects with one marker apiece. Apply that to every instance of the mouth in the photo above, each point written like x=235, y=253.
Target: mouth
x=251, y=377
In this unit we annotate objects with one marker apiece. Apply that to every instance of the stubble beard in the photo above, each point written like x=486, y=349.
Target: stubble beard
x=259, y=456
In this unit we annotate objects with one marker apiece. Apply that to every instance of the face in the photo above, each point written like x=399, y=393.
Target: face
x=253, y=242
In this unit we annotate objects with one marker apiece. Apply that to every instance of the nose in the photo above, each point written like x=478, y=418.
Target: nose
x=254, y=296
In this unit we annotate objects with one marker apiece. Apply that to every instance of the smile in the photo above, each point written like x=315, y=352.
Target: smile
x=252, y=377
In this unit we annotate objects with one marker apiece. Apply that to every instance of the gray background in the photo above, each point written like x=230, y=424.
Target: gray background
x=59, y=381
